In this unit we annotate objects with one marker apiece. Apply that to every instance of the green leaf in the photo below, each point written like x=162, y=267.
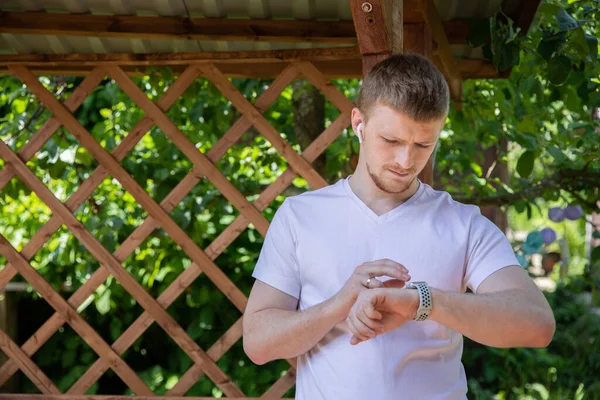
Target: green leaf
x=103, y=302
x=479, y=32
x=558, y=69
x=566, y=22
x=528, y=124
x=595, y=256
x=520, y=206
x=592, y=42
x=549, y=45
x=557, y=154
x=525, y=164
x=578, y=45
x=19, y=106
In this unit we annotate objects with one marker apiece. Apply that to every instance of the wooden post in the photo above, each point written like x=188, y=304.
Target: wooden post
x=417, y=39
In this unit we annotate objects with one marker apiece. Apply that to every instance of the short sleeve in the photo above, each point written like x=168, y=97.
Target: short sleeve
x=488, y=251
x=277, y=264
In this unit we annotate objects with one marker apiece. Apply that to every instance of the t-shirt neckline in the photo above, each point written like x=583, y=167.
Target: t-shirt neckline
x=388, y=215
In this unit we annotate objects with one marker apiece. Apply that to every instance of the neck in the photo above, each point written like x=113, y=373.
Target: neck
x=376, y=199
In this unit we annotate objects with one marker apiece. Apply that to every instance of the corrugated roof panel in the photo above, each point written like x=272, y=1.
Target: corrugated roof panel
x=276, y=9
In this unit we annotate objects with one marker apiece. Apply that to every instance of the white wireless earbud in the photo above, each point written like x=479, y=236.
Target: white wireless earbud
x=359, y=133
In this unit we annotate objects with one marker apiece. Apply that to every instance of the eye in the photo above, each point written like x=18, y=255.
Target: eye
x=423, y=146
x=388, y=140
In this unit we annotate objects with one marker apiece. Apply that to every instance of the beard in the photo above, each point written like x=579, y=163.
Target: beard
x=387, y=186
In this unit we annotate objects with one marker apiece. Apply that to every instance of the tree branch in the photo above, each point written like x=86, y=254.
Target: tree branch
x=570, y=180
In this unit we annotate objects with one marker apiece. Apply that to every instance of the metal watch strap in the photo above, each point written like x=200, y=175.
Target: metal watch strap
x=425, y=303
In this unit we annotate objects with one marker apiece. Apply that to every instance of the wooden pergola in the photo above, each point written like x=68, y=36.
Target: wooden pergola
x=310, y=47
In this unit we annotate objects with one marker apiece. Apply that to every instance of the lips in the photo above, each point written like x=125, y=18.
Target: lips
x=403, y=174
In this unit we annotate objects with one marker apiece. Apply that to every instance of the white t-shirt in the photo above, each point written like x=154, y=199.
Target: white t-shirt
x=315, y=242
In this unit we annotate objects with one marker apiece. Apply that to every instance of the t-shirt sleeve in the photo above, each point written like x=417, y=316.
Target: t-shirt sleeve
x=488, y=251
x=277, y=263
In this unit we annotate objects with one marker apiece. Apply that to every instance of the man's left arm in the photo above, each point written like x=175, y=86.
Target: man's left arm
x=508, y=310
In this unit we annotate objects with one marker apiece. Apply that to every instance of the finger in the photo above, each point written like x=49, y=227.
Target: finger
x=359, y=329
x=386, y=270
x=394, y=283
x=371, y=282
x=387, y=262
x=354, y=340
x=354, y=331
x=363, y=329
x=371, y=312
x=370, y=323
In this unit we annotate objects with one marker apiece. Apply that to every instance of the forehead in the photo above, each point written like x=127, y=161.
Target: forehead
x=388, y=120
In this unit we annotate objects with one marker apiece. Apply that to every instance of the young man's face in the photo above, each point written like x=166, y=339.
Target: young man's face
x=395, y=147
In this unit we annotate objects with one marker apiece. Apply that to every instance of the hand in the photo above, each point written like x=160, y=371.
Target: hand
x=366, y=272
x=381, y=310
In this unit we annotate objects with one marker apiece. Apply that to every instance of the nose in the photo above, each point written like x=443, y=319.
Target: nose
x=404, y=156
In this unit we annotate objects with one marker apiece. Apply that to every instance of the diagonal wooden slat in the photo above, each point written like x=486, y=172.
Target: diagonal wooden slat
x=78, y=324
x=140, y=234
x=299, y=164
x=86, y=87
x=36, y=375
x=332, y=93
x=232, y=231
x=281, y=387
x=163, y=318
x=186, y=278
x=215, y=352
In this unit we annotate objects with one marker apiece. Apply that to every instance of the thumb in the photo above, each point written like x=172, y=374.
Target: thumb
x=394, y=283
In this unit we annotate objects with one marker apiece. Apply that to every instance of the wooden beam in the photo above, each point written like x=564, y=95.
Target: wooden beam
x=123, y=59
x=378, y=25
x=136, y=27
x=448, y=63
x=370, y=25
x=343, y=69
x=224, y=29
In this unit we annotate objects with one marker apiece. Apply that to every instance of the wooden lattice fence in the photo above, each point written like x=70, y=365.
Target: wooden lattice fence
x=204, y=360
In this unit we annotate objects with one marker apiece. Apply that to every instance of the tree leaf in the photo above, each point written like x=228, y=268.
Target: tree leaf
x=103, y=302
x=558, y=69
x=557, y=153
x=549, y=45
x=566, y=22
x=592, y=42
x=525, y=164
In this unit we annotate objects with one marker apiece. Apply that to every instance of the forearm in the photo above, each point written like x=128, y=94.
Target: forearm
x=274, y=334
x=510, y=318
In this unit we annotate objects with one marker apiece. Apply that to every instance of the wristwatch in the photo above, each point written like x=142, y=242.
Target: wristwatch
x=425, y=304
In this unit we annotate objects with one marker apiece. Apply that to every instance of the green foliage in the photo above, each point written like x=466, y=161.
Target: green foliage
x=567, y=369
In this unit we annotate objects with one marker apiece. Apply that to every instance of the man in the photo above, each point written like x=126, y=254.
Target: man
x=332, y=272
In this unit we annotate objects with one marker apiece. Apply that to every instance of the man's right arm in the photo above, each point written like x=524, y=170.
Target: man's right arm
x=274, y=328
